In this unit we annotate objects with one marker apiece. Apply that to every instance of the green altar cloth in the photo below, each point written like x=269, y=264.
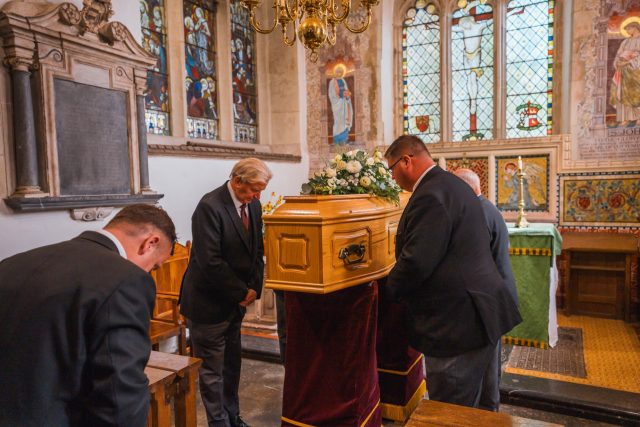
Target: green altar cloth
x=532, y=252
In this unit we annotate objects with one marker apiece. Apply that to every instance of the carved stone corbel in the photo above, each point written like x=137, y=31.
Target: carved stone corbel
x=91, y=214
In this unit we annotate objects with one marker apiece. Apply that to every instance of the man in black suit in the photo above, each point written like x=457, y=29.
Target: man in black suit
x=224, y=276
x=490, y=397
x=74, y=339
x=458, y=304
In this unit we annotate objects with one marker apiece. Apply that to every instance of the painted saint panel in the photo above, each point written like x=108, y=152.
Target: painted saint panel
x=529, y=69
x=421, y=71
x=243, y=72
x=472, y=71
x=536, y=183
x=154, y=40
x=200, y=63
x=340, y=81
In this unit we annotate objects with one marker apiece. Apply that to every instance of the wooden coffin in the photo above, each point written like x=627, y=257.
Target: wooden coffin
x=321, y=244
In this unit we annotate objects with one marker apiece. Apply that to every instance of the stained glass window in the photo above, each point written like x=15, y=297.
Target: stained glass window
x=529, y=56
x=421, y=71
x=154, y=40
x=472, y=71
x=200, y=55
x=243, y=74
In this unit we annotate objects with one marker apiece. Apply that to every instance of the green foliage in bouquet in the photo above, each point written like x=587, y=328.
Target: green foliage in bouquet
x=355, y=172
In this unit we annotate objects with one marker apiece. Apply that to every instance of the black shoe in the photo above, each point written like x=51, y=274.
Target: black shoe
x=238, y=422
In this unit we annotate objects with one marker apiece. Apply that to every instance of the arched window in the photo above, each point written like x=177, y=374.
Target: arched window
x=421, y=72
x=200, y=61
x=459, y=98
x=472, y=71
x=243, y=72
x=154, y=40
x=529, y=68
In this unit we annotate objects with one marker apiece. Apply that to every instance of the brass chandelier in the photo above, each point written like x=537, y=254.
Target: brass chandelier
x=312, y=21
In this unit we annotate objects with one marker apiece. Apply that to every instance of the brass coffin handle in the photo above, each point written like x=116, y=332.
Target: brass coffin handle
x=352, y=254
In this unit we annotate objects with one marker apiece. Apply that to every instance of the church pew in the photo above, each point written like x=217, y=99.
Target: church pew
x=433, y=413
x=160, y=408
x=183, y=387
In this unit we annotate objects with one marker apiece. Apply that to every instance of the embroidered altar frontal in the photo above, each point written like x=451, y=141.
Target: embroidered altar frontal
x=532, y=251
x=330, y=365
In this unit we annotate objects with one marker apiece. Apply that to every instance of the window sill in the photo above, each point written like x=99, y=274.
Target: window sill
x=218, y=151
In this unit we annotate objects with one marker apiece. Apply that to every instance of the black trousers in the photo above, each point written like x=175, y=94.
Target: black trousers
x=219, y=347
x=466, y=379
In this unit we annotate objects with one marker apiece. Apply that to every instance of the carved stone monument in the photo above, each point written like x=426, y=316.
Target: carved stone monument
x=78, y=84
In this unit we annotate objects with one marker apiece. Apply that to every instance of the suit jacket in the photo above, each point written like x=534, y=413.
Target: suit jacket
x=225, y=260
x=74, y=338
x=444, y=272
x=499, y=244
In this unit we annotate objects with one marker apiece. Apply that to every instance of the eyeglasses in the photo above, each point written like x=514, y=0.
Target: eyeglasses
x=397, y=161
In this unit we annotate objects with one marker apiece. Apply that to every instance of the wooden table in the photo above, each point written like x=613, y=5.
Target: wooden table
x=182, y=387
x=432, y=413
x=160, y=409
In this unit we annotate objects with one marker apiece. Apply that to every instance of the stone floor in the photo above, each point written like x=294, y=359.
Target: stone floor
x=261, y=400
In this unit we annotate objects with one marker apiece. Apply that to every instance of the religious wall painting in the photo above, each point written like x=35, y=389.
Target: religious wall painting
x=154, y=41
x=623, y=69
x=600, y=200
x=607, y=118
x=340, y=82
x=200, y=80
x=421, y=71
x=480, y=165
x=472, y=71
x=536, y=183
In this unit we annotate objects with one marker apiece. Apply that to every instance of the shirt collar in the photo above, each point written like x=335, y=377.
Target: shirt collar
x=115, y=241
x=236, y=202
x=422, y=176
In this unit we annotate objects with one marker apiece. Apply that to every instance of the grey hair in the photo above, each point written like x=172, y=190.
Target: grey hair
x=251, y=170
x=470, y=177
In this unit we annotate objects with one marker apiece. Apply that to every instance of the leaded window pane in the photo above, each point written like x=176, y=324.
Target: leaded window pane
x=472, y=72
x=243, y=73
x=154, y=40
x=529, y=54
x=200, y=61
x=421, y=71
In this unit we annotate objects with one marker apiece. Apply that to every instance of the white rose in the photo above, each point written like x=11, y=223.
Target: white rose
x=351, y=153
x=382, y=171
x=331, y=182
x=370, y=161
x=330, y=172
x=365, y=181
x=354, y=166
x=337, y=158
x=340, y=165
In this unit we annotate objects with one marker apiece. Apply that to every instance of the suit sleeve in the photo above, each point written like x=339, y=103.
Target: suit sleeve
x=118, y=351
x=207, y=250
x=425, y=240
x=258, y=275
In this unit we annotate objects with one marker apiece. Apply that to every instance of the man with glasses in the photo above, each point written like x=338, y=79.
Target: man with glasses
x=459, y=306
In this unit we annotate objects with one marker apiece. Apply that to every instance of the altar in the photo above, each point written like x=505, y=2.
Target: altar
x=532, y=252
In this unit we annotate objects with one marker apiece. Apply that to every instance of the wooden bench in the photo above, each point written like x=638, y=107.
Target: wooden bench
x=160, y=409
x=166, y=321
x=182, y=388
x=432, y=413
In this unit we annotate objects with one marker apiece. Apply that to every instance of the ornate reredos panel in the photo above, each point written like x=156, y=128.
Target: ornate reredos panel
x=73, y=52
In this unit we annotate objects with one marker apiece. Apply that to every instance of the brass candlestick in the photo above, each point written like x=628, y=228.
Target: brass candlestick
x=522, y=220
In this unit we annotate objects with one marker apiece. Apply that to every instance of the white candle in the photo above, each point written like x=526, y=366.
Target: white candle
x=520, y=163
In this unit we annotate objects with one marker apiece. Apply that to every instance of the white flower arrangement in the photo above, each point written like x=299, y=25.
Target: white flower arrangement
x=355, y=172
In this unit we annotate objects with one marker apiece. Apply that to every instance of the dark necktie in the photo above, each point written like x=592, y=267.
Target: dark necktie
x=244, y=217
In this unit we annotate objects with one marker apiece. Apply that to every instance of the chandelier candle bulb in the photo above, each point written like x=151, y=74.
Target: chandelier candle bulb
x=520, y=163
